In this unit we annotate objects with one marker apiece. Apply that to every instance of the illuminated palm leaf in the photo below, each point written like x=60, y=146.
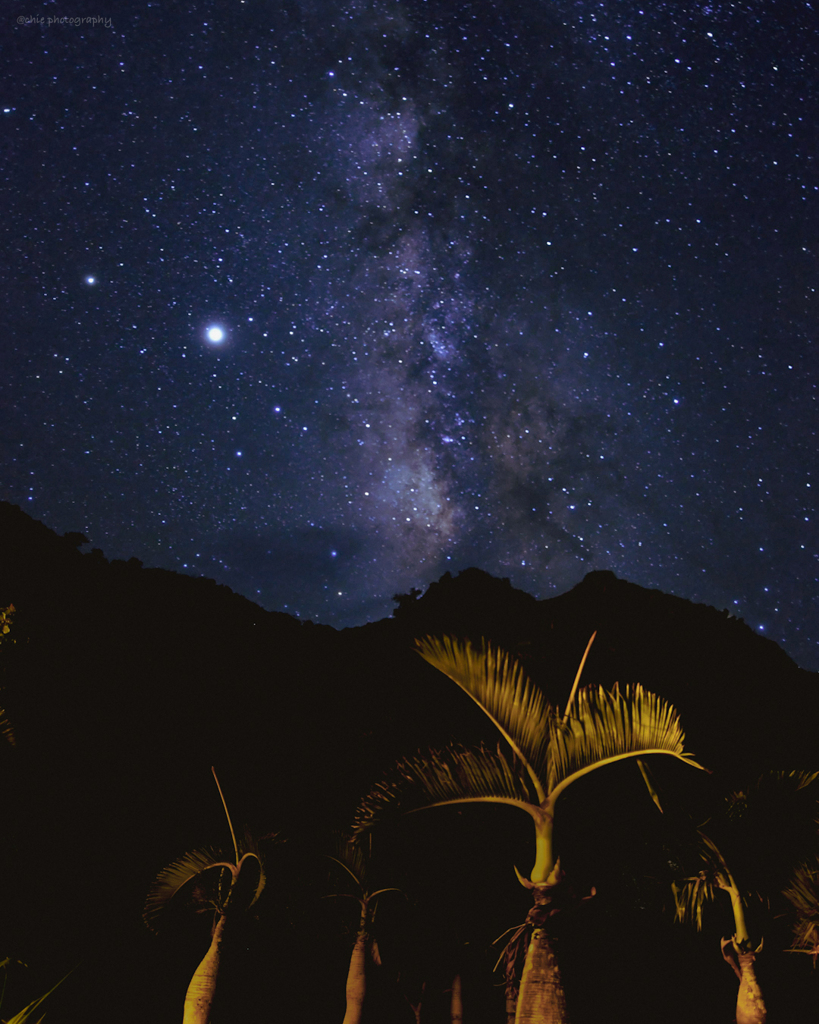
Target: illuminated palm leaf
x=547, y=754
x=764, y=826
x=27, y=1013
x=691, y=897
x=249, y=848
x=193, y=869
x=498, y=684
x=454, y=775
x=6, y=729
x=609, y=726
x=803, y=894
x=772, y=783
x=196, y=869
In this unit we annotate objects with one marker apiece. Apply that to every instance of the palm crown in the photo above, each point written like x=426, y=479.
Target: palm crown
x=354, y=857
x=208, y=876
x=759, y=830
x=548, y=752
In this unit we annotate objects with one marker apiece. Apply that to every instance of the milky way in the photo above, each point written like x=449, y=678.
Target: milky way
x=524, y=286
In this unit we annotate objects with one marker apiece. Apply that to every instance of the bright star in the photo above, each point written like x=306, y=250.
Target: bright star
x=90, y=280
x=215, y=335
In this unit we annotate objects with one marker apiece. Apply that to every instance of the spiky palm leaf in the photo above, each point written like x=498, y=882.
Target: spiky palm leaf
x=691, y=897
x=752, y=844
x=547, y=753
x=208, y=891
x=6, y=729
x=25, y=1015
x=186, y=870
x=803, y=895
x=764, y=829
x=454, y=775
x=500, y=687
x=768, y=794
x=610, y=726
x=351, y=857
x=197, y=870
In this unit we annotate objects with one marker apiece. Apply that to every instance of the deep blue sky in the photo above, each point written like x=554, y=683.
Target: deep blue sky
x=522, y=285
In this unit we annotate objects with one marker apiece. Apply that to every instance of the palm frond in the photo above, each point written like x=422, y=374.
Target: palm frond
x=500, y=687
x=803, y=895
x=25, y=1014
x=768, y=827
x=6, y=616
x=608, y=726
x=6, y=729
x=453, y=775
x=177, y=875
x=350, y=856
x=248, y=846
x=716, y=865
x=691, y=897
x=769, y=791
x=260, y=884
x=795, y=780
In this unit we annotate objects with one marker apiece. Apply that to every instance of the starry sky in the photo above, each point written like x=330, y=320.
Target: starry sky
x=324, y=299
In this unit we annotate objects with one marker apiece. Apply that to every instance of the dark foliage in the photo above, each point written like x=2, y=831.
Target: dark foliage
x=125, y=684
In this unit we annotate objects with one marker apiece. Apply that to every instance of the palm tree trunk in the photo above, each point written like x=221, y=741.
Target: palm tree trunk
x=357, y=976
x=750, y=1005
x=202, y=987
x=456, y=1007
x=541, y=999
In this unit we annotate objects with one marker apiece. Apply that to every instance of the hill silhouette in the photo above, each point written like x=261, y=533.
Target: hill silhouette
x=126, y=683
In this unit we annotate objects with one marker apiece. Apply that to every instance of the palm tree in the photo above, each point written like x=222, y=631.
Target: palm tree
x=737, y=951
x=745, y=822
x=350, y=855
x=212, y=883
x=549, y=753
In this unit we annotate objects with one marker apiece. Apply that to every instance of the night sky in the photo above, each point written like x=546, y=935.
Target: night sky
x=324, y=299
